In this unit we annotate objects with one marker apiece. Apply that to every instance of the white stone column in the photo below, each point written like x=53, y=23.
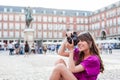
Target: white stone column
x=29, y=36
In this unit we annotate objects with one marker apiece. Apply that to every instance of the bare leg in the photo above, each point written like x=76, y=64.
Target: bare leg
x=61, y=70
x=60, y=61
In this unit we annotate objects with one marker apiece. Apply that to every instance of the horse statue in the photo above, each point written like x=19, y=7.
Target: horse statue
x=28, y=16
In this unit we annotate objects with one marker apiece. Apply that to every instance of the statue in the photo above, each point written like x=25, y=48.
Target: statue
x=28, y=16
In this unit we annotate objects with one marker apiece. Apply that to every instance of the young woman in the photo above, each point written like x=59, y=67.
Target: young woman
x=86, y=65
x=27, y=48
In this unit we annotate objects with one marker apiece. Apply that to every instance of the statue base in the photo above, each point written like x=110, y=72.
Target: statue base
x=29, y=36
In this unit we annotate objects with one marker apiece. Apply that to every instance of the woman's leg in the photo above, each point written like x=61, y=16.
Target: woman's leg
x=61, y=70
x=60, y=61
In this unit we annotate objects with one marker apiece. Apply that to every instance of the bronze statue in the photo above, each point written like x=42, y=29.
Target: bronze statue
x=28, y=16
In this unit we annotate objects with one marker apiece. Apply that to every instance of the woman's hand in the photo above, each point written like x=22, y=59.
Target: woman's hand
x=68, y=45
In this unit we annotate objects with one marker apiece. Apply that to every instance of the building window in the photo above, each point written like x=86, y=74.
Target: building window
x=5, y=26
x=22, y=10
x=39, y=18
x=55, y=34
x=44, y=26
x=78, y=27
x=39, y=34
x=39, y=27
x=71, y=20
x=11, y=10
x=22, y=17
x=54, y=19
x=34, y=26
x=23, y=26
x=114, y=30
x=77, y=13
x=50, y=35
x=11, y=34
x=44, y=19
x=114, y=22
x=49, y=26
x=50, y=19
x=5, y=9
x=44, y=34
x=17, y=18
x=63, y=12
x=5, y=17
x=86, y=21
x=22, y=34
x=11, y=17
x=118, y=30
x=54, y=27
x=5, y=34
x=86, y=28
x=64, y=19
x=34, y=11
x=34, y=18
x=103, y=24
x=60, y=35
x=71, y=27
x=17, y=26
x=11, y=26
x=111, y=31
x=77, y=20
x=64, y=27
x=44, y=12
x=17, y=34
x=81, y=20
x=54, y=12
x=60, y=19
x=35, y=34
x=82, y=27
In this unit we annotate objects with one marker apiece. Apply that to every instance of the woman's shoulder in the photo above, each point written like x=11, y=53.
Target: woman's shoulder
x=92, y=58
x=91, y=61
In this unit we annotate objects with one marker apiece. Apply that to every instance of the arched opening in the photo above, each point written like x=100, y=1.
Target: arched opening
x=103, y=35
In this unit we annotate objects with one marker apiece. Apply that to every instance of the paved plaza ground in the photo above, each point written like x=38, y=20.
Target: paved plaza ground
x=39, y=66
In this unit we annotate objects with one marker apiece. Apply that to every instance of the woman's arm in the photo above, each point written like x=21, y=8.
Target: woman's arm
x=65, y=45
x=62, y=49
x=72, y=67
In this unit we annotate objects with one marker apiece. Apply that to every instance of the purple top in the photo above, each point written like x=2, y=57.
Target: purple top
x=92, y=69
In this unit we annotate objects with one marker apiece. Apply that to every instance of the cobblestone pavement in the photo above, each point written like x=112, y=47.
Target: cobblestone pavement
x=39, y=67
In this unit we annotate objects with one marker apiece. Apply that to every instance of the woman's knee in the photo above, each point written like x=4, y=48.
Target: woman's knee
x=59, y=67
x=60, y=61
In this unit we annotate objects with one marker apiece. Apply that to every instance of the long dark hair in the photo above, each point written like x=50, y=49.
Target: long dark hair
x=86, y=36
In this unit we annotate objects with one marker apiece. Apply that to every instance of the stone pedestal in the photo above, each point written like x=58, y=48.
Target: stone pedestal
x=29, y=36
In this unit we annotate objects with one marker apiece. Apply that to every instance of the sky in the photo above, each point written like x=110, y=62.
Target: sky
x=86, y=5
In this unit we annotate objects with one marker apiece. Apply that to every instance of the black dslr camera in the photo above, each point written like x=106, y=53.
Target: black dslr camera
x=73, y=37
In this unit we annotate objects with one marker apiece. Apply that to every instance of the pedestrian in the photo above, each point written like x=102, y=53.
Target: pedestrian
x=40, y=49
x=17, y=48
x=21, y=49
x=27, y=48
x=84, y=62
x=45, y=48
x=110, y=48
x=33, y=48
x=11, y=48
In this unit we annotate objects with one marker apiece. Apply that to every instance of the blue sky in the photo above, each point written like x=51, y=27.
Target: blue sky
x=89, y=5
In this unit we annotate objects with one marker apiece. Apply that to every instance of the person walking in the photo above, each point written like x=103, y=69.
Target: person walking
x=110, y=48
x=27, y=48
x=11, y=48
x=17, y=48
x=84, y=61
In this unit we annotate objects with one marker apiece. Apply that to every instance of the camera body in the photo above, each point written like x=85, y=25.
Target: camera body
x=73, y=37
